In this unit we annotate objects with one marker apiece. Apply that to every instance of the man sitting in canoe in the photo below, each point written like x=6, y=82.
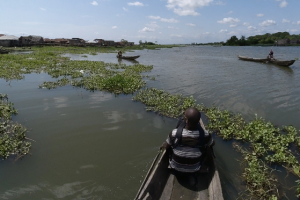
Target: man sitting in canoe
x=188, y=143
x=270, y=56
x=119, y=54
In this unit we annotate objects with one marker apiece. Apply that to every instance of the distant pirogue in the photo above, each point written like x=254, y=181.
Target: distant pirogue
x=128, y=57
x=3, y=51
x=284, y=63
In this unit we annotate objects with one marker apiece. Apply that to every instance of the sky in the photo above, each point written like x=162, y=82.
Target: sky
x=158, y=21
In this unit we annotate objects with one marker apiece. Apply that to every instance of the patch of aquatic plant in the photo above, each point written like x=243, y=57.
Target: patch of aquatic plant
x=269, y=143
x=261, y=184
x=93, y=75
x=164, y=103
x=12, y=135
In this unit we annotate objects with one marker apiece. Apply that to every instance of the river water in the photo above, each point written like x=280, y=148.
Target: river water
x=93, y=145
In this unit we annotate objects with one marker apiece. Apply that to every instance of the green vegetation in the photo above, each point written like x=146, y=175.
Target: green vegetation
x=91, y=75
x=266, y=39
x=268, y=144
x=12, y=134
x=164, y=103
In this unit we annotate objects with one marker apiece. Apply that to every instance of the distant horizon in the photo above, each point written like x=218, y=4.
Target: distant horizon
x=164, y=21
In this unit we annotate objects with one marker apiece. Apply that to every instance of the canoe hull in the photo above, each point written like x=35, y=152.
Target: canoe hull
x=162, y=184
x=284, y=63
x=128, y=57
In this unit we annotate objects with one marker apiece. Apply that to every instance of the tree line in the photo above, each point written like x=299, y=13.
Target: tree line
x=266, y=39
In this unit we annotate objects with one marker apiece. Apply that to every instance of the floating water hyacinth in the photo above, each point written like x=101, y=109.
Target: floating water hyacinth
x=12, y=134
x=269, y=144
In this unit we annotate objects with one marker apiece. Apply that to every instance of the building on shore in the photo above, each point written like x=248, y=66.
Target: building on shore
x=283, y=42
x=295, y=42
x=31, y=40
x=48, y=41
x=76, y=42
x=108, y=43
x=61, y=41
x=9, y=40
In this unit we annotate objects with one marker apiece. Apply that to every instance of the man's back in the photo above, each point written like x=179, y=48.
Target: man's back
x=187, y=155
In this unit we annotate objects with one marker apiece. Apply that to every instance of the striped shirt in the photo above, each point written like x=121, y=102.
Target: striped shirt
x=186, y=155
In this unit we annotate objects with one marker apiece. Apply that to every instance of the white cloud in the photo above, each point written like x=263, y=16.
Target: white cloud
x=154, y=17
x=229, y=20
x=94, y=3
x=251, y=28
x=114, y=27
x=171, y=27
x=172, y=20
x=219, y=3
x=246, y=24
x=285, y=21
x=125, y=9
x=223, y=30
x=43, y=9
x=298, y=22
x=283, y=4
x=268, y=23
x=175, y=35
x=260, y=15
x=146, y=29
x=182, y=12
x=135, y=3
x=232, y=33
x=152, y=25
x=190, y=24
x=230, y=12
x=292, y=30
x=187, y=7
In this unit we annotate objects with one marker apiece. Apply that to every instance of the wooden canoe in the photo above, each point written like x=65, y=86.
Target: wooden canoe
x=284, y=63
x=160, y=182
x=128, y=57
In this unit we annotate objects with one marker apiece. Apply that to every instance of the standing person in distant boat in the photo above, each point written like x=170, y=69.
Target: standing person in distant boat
x=188, y=144
x=270, y=56
x=119, y=54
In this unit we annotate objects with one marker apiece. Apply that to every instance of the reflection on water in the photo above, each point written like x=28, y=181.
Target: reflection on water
x=60, y=102
x=93, y=145
x=21, y=52
x=126, y=61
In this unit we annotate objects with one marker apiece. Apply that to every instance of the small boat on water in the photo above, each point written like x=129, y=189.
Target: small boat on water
x=161, y=184
x=128, y=57
x=284, y=63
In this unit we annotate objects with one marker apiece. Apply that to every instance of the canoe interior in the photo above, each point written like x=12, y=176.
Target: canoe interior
x=163, y=184
x=284, y=63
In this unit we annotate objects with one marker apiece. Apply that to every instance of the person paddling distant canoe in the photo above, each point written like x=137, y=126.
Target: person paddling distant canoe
x=119, y=54
x=270, y=56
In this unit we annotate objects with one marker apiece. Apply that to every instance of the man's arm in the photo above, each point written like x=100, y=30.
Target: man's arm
x=167, y=144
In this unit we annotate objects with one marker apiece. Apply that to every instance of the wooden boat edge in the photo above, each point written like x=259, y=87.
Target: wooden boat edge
x=214, y=187
x=128, y=57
